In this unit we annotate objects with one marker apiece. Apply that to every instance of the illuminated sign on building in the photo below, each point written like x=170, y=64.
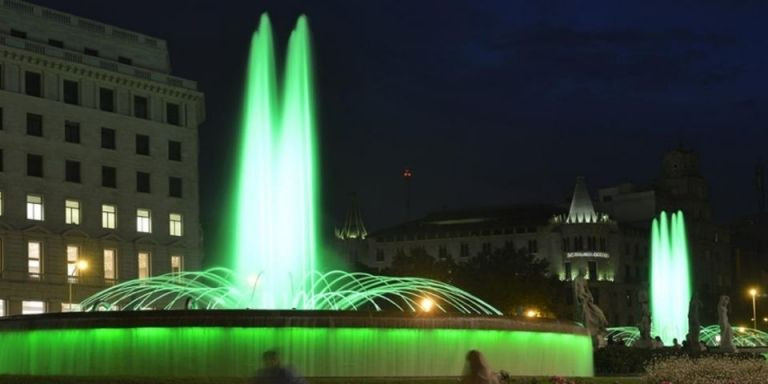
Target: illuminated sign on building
x=603, y=255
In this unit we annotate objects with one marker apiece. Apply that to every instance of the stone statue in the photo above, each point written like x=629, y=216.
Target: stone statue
x=726, y=332
x=588, y=312
x=694, y=325
x=644, y=326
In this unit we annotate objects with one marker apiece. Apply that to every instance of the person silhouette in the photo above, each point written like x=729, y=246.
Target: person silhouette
x=273, y=372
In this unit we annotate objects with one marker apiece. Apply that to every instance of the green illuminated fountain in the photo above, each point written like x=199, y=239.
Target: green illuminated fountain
x=275, y=233
x=670, y=277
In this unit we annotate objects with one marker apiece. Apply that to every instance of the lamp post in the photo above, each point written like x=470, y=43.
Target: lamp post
x=753, y=293
x=80, y=266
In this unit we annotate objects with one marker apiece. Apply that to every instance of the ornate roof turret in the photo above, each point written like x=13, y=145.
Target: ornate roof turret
x=353, y=228
x=582, y=210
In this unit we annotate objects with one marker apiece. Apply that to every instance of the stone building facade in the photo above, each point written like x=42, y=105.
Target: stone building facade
x=98, y=159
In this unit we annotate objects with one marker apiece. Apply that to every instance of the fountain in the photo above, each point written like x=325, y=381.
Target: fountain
x=275, y=293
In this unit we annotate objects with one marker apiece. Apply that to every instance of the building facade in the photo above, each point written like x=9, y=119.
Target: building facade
x=607, y=238
x=98, y=159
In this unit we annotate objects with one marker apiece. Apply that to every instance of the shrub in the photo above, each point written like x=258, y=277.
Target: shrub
x=711, y=369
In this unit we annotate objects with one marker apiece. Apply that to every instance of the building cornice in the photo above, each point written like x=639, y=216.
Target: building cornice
x=27, y=57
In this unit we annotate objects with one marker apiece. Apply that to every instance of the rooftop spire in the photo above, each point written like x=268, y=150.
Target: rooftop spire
x=353, y=228
x=581, y=210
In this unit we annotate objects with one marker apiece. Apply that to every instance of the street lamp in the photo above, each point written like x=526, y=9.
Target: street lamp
x=753, y=293
x=80, y=266
x=427, y=304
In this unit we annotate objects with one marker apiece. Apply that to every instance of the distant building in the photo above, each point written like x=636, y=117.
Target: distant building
x=609, y=238
x=98, y=159
x=352, y=235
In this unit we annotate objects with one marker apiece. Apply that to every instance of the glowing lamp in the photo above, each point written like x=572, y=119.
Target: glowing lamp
x=753, y=292
x=427, y=304
x=531, y=313
x=82, y=265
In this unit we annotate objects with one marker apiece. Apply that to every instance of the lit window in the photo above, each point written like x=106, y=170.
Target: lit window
x=143, y=220
x=1, y=203
x=2, y=308
x=70, y=307
x=108, y=216
x=35, y=207
x=143, y=265
x=175, y=224
x=177, y=264
x=34, y=257
x=109, y=264
x=73, y=255
x=32, y=307
x=72, y=212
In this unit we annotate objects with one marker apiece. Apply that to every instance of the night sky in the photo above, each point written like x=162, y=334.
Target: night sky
x=489, y=102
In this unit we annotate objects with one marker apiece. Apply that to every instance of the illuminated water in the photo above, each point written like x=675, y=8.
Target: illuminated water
x=670, y=277
x=710, y=336
x=315, y=352
x=275, y=242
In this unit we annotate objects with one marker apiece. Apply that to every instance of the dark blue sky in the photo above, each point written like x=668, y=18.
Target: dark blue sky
x=489, y=102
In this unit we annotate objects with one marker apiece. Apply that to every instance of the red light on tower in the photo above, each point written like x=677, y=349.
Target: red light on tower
x=407, y=173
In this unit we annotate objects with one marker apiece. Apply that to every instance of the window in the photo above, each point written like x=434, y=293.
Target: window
x=70, y=307
x=533, y=246
x=174, y=186
x=629, y=298
x=109, y=264
x=2, y=308
x=72, y=212
x=124, y=60
x=71, y=92
x=72, y=171
x=174, y=150
x=144, y=220
x=73, y=256
x=175, y=224
x=442, y=252
x=108, y=177
x=108, y=138
x=35, y=207
x=19, y=34
x=379, y=255
x=71, y=132
x=593, y=270
x=177, y=264
x=1, y=160
x=142, y=145
x=140, y=107
x=34, y=258
x=1, y=213
x=172, y=114
x=142, y=182
x=34, y=124
x=603, y=244
x=568, y=272
x=34, y=165
x=486, y=248
x=464, y=250
x=143, y=265
x=107, y=99
x=108, y=216
x=91, y=51
x=32, y=307
x=33, y=84
x=1, y=110
x=56, y=43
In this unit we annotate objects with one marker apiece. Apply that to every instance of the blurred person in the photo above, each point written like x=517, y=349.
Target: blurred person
x=476, y=370
x=273, y=372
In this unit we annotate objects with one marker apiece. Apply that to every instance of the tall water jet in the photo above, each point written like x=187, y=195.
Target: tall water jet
x=274, y=240
x=670, y=277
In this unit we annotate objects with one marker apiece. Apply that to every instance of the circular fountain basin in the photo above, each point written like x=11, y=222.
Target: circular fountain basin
x=229, y=343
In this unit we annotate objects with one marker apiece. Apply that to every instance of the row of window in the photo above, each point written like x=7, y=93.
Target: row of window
x=591, y=245
x=60, y=44
x=73, y=215
x=108, y=136
x=109, y=258
x=108, y=175
x=454, y=234
x=464, y=249
x=33, y=86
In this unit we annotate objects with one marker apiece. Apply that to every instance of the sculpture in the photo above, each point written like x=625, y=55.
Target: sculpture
x=644, y=326
x=588, y=312
x=694, y=326
x=726, y=332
